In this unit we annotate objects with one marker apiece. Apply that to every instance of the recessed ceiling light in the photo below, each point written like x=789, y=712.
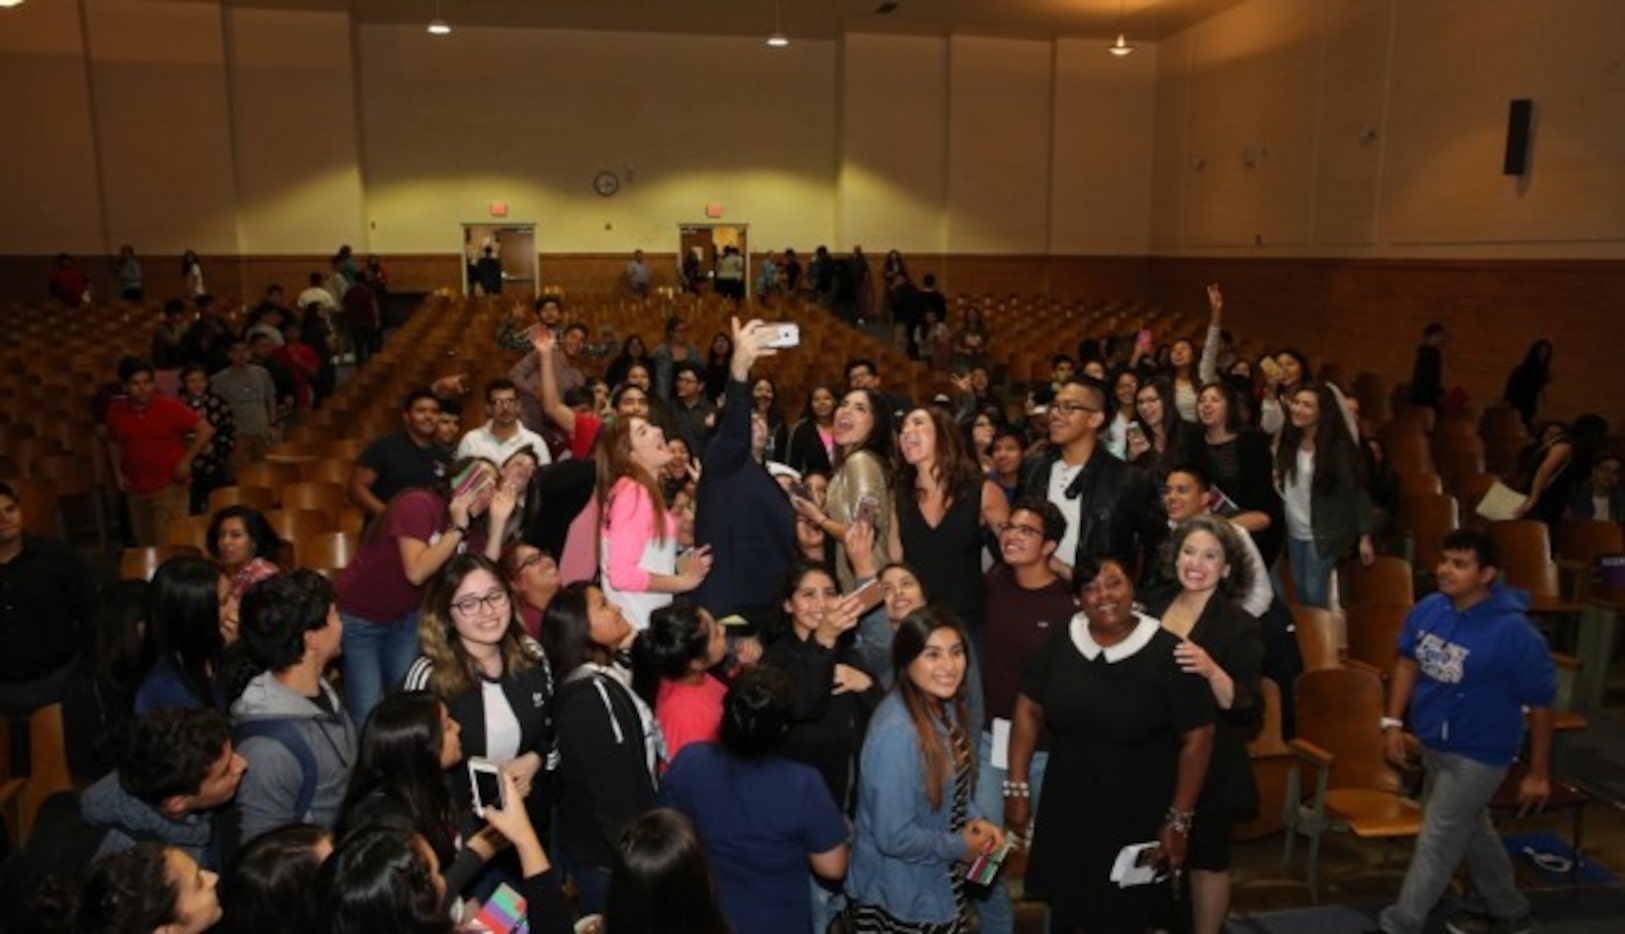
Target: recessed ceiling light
x=439, y=27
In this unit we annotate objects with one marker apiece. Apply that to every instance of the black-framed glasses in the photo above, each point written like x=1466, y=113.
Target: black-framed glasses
x=493, y=601
x=1071, y=408
x=1017, y=528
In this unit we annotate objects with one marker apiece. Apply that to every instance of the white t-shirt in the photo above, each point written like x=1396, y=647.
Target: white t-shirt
x=1061, y=476
x=1296, y=495
x=502, y=734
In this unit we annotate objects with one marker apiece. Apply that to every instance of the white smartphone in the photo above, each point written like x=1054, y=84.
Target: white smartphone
x=486, y=778
x=785, y=335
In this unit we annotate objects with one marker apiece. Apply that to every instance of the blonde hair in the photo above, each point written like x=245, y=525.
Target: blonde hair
x=452, y=670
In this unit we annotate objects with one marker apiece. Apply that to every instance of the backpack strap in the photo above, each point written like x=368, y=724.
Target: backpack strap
x=284, y=730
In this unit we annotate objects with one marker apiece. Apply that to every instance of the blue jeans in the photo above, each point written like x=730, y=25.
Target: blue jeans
x=1311, y=573
x=994, y=908
x=828, y=902
x=592, y=885
x=1456, y=824
x=376, y=657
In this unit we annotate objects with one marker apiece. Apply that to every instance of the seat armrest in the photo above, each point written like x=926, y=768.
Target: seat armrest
x=1311, y=753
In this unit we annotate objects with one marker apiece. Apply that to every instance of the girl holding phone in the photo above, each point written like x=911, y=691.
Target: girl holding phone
x=381, y=591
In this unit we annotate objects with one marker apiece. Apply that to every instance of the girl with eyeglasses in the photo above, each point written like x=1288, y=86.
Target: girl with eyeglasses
x=380, y=593
x=493, y=678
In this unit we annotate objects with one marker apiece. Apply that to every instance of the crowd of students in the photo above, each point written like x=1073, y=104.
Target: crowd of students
x=817, y=669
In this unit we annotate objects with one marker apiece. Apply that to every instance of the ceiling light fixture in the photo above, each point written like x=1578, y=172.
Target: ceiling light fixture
x=1121, y=47
x=438, y=26
x=10, y=3
x=778, y=39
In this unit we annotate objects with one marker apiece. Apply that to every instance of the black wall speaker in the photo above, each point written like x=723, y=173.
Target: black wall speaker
x=1517, y=154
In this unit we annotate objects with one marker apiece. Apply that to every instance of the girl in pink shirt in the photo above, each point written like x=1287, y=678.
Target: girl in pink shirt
x=685, y=643
x=637, y=546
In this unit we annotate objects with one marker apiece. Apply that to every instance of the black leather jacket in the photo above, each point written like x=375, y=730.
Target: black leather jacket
x=1120, y=510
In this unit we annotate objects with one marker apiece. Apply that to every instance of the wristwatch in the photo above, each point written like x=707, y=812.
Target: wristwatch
x=1391, y=723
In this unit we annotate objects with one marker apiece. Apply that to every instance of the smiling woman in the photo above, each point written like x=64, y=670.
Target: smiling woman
x=1129, y=740
x=493, y=678
x=638, y=553
x=916, y=821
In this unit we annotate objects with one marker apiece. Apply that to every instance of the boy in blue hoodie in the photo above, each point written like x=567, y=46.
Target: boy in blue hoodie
x=1469, y=663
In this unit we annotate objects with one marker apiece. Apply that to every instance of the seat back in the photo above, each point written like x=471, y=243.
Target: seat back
x=142, y=563
x=324, y=497
x=1272, y=763
x=1428, y=517
x=1387, y=580
x=1586, y=540
x=1317, y=637
x=1374, y=630
x=1526, y=551
x=328, y=551
x=1339, y=710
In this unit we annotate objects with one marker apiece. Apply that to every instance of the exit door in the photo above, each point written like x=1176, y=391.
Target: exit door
x=500, y=259
x=700, y=246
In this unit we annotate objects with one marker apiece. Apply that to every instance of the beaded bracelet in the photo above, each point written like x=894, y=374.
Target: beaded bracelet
x=1179, y=821
x=1018, y=790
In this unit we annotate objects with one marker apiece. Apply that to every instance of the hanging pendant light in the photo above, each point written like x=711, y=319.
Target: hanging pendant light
x=438, y=26
x=778, y=39
x=1121, y=47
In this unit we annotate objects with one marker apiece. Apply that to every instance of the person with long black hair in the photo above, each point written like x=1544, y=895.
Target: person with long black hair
x=662, y=881
x=400, y=771
x=1328, y=512
x=184, y=645
x=916, y=820
x=608, y=740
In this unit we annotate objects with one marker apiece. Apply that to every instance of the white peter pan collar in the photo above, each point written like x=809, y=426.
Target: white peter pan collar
x=1134, y=642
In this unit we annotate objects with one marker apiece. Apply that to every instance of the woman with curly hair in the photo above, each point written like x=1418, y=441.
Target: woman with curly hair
x=1223, y=645
x=493, y=677
x=147, y=889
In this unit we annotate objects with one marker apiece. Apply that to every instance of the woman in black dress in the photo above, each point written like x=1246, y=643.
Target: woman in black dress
x=1130, y=737
x=1224, y=646
x=945, y=508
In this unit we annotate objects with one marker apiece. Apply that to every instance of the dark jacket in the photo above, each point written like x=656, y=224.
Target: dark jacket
x=1254, y=489
x=806, y=450
x=605, y=780
x=1235, y=642
x=826, y=728
x=1120, y=510
x=744, y=515
x=530, y=695
x=1340, y=517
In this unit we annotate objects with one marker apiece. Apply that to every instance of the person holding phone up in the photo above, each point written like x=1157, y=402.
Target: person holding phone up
x=381, y=591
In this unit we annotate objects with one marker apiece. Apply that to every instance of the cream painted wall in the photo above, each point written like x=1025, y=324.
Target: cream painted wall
x=893, y=186
x=1352, y=127
x=529, y=117
x=294, y=131
x=1000, y=104
x=48, y=180
x=997, y=146
x=1101, y=161
x=163, y=126
x=268, y=132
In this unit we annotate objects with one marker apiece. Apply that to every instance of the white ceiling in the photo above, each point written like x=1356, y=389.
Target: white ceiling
x=1142, y=19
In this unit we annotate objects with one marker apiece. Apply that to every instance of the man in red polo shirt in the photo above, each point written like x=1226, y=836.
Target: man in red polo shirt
x=152, y=441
